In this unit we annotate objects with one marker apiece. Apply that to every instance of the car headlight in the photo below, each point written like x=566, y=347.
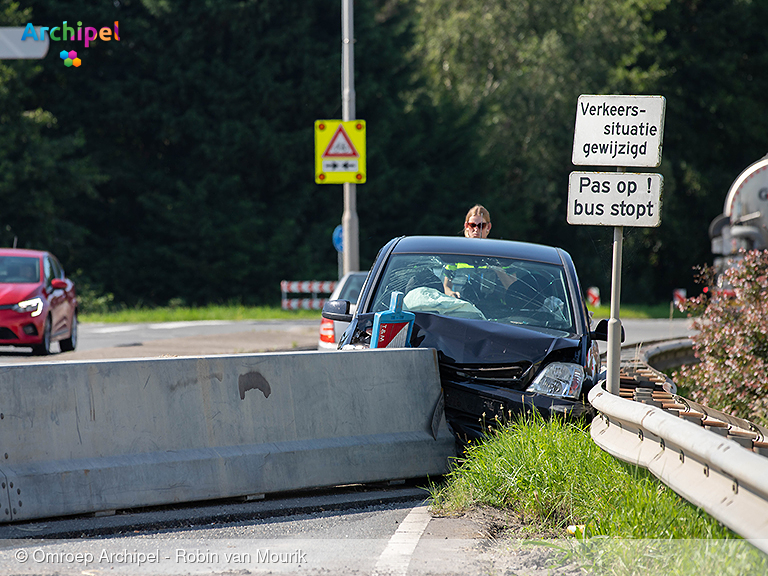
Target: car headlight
x=35, y=306
x=560, y=379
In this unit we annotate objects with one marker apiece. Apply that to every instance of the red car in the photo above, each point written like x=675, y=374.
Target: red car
x=38, y=304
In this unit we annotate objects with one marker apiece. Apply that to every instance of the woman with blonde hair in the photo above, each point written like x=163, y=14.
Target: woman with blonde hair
x=477, y=222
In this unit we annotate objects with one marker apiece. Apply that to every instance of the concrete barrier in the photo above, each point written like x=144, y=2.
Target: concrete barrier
x=78, y=437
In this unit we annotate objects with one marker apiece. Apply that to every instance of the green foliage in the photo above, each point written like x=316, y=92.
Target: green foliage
x=202, y=136
x=522, y=66
x=713, y=60
x=732, y=342
x=201, y=118
x=657, y=557
x=91, y=301
x=43, y=174
x=639, y=311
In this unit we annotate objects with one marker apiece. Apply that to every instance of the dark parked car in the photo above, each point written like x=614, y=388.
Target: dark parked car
x=38, y=304
x=514, y=334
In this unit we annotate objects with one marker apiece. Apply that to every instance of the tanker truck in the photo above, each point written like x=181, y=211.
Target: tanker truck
x=744, y=221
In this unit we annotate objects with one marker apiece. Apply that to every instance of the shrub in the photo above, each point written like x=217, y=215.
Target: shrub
x=732, y=340
x=91, y=298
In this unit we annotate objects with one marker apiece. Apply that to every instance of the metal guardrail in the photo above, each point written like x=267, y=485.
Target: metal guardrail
x=713, y=460
x=669, y=353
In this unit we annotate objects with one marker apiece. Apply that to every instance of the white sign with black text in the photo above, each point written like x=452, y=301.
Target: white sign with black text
x=615, y=199
x=616, y=130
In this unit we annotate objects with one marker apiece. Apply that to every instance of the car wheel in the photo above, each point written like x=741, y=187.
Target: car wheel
x=44, y=348
x=69, y=344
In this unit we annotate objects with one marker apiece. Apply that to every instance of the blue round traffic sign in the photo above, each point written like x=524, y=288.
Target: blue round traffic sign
x=338, y=239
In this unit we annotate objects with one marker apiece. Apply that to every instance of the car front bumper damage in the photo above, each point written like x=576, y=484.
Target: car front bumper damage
x=471, y=408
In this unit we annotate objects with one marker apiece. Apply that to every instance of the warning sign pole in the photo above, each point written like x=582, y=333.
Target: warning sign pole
x=614, y=323
x=349, y=222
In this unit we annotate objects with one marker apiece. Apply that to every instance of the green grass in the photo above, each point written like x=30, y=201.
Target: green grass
x=213, y=312
x=551, y=475
x=638, y=311
x=240, y=312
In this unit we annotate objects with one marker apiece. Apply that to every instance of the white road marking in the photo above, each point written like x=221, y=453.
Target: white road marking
x=396, y=556
x=158, y=326
x=188, y=324
x=113, y=329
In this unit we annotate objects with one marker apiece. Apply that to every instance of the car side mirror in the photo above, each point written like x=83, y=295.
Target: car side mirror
x=58, y=284
x=601, y=331
x=337, y=310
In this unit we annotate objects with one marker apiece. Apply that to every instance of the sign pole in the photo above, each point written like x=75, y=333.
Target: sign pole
x=614, y=324
x=349, y=220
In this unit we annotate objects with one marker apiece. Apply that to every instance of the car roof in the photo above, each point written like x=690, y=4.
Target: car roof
x=477, y=247
x=22, y=252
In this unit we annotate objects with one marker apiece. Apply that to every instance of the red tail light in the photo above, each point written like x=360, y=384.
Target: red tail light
x=327, y=333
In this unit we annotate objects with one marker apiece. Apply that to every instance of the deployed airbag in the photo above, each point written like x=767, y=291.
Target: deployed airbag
x=430, y=300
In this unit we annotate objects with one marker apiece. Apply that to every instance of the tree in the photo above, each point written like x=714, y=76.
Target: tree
x=521, y=66
x=43, y=173
x=202, y=118
x=712, y=61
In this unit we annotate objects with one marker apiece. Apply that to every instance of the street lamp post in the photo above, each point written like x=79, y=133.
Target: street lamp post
x=349, y=220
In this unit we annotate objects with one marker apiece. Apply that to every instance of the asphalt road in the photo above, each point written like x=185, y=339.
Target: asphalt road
x=151, y=340
x=348, y=531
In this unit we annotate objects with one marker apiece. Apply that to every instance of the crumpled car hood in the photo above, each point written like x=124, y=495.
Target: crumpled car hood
x=469, y=342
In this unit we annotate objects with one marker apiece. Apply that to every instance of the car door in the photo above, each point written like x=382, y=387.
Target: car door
x=57, y=298
x=70, y=300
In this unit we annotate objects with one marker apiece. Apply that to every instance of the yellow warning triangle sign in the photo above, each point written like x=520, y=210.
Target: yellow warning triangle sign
x=340, y=146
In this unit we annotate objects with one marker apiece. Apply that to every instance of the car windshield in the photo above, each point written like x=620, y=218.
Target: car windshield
x=502, y=290
x=19, y=270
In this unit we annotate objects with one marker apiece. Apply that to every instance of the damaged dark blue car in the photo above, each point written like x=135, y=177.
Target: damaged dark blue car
x=508, y=321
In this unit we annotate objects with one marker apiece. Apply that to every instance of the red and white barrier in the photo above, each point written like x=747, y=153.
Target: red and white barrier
x=307, y=286
x=678, y=296
x=303, y=303
x=313, y=287
x=593, y=296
